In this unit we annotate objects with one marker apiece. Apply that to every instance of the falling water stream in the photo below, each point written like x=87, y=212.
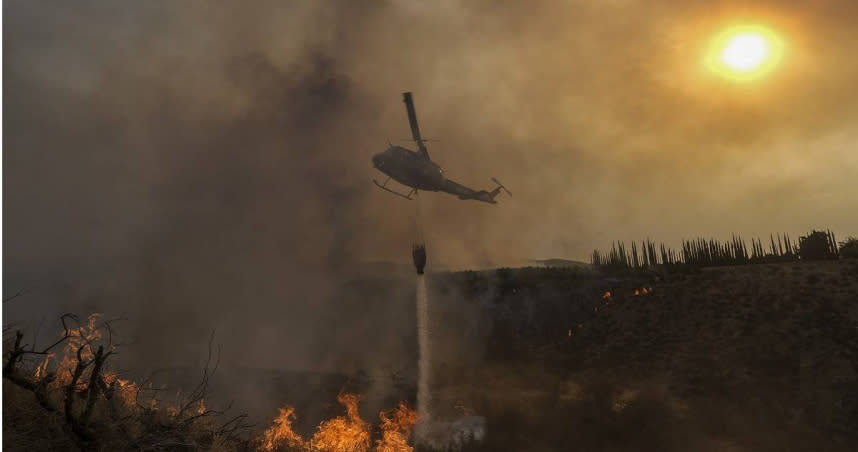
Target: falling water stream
x=435, y=433
x=424, y=350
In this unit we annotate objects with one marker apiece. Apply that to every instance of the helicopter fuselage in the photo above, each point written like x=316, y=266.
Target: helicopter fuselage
x=416, y=170
x=409, y=168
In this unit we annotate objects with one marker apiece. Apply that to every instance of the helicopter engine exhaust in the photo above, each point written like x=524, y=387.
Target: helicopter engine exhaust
x=418, y=253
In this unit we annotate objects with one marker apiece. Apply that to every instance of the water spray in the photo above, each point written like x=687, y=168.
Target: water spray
x=434, y=433
x=418, y=254
x=424, y=347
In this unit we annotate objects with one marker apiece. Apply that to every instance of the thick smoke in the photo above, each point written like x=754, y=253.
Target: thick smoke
x=221, y=184
x=199, y=165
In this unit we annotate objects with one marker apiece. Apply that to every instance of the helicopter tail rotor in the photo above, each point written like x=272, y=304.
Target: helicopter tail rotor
x=500, y=185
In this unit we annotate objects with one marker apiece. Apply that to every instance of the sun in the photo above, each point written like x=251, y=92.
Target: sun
x=744, y=53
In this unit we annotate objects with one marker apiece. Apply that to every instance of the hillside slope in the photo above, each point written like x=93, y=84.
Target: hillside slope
x=761, y=357
x=745, y=358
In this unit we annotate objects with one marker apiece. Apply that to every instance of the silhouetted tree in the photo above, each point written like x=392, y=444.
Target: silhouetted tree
x=849, y=248
x=707, y=253
x=817, y=245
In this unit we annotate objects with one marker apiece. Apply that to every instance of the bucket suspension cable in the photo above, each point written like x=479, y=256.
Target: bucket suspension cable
x=418, y=221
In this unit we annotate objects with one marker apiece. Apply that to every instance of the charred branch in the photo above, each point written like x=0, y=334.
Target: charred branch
x=15, y=355
x=201, y=391
x=18, y=294
x=96, y=384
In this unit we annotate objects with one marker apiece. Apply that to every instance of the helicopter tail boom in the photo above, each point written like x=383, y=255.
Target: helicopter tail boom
x=478, y=195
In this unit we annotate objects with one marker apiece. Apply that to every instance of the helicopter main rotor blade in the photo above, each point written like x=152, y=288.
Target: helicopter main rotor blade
x=412, y=120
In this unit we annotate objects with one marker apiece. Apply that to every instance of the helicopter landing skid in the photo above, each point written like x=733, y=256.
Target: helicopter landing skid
x=384, y=187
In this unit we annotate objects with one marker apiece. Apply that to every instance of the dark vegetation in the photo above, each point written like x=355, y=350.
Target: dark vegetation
x=740, y=358
x=757, y=358
x=849, y=248
x=699, y=253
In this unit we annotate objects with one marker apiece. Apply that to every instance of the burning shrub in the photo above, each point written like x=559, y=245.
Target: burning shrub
x=98, y=410
x=101, y=411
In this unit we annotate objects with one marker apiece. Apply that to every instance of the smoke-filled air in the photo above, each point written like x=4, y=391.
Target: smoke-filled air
x=401, y=225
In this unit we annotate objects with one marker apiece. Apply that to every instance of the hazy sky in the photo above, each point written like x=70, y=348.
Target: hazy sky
x=600, y=116
x=220, y=151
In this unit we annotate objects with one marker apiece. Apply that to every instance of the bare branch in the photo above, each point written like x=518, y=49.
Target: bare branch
x=66, y=334
x=20, y=292
x=14, y=355
x=232, y=428
x=200, y=392
x=142, y=386
x=108, y=325
x=36, y=332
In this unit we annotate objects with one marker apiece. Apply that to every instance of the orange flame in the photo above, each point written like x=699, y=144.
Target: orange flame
x=344, y=433
x=607, y=294
x=77, y=338
x=347, y=433
x=281, y=434
x=125, y=390
x=42, y=369
x=396, y=427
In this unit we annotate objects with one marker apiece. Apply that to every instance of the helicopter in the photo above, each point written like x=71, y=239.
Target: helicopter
x=416, y=170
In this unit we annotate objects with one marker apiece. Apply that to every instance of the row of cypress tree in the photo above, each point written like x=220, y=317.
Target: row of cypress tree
x=710, y=253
